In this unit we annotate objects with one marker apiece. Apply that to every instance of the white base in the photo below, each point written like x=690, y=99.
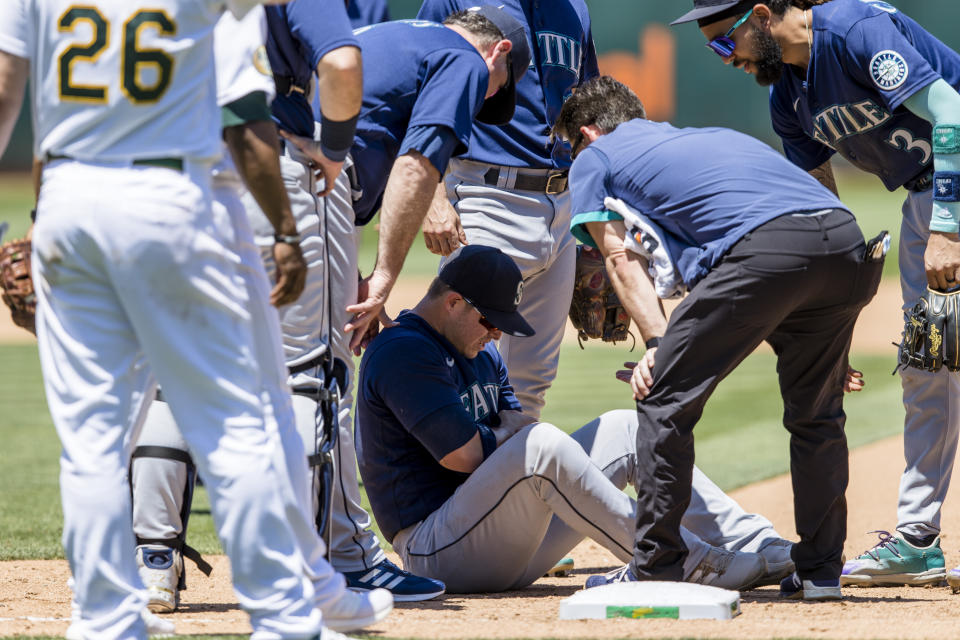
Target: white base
x=676, y=600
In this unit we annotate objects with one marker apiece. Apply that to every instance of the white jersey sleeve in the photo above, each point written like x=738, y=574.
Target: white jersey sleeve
x=15, y=31
x=241, y=57
x=115, y=80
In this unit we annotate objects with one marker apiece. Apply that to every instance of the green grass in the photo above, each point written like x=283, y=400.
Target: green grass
x=739, y=440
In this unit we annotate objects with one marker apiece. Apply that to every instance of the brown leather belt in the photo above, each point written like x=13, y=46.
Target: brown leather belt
x=551, y=183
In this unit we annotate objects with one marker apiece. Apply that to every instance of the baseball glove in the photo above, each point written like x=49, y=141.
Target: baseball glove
x=17, y=285
x=931, y=337
x=595, y=309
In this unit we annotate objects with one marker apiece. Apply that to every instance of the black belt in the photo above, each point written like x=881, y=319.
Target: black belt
x=287, y=85
x=164, y=163
x=312, y=363
x=920, y=183
x=550, y=183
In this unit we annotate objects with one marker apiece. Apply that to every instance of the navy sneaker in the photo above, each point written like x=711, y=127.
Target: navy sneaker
x=623, y=574
x=405, y=586
x=793, y=588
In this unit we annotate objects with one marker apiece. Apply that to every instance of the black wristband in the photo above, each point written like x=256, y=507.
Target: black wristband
x=488, y=440
x=33, y=215
x=653, y=342
x=336, y=138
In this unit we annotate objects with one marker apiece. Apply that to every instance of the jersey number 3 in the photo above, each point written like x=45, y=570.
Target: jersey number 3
x=135, y=59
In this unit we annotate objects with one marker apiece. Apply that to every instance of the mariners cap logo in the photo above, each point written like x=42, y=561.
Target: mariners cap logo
x=516, y=298
x=889, y=70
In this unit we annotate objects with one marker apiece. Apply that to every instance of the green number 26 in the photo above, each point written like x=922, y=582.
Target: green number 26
x=134, y=58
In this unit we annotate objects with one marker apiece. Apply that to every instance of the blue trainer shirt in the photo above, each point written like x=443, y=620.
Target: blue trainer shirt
x=563, y=57
x=868, y=58
x=423, y=84
x=299, y=34
x=419, y=399
x=705, y=188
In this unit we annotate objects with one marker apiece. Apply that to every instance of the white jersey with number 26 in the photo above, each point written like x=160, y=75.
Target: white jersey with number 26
x=116, y=80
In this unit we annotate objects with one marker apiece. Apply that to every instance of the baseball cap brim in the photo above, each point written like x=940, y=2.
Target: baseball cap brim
x=509, y=322
x=704, y=12
x=498, y=109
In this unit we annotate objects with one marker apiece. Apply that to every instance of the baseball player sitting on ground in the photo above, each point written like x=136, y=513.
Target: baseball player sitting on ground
x=471, y=490
x=162, y=471
x=136, y=278
x=768, y=254
x=861, y=79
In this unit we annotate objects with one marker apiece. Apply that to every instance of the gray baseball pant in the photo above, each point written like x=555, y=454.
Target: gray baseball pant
x=533, y=228
x=932, y=400
x=534, y=499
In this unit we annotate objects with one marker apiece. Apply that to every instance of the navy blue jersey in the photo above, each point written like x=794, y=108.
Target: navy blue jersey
x=299, y=34
x=419, y=399
x=705, y=188
x=421, y=81
x=367, y=12
x=867, y=59
x=563, y=57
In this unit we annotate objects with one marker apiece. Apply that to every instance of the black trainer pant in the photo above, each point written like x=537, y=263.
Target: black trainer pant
x=798, y=282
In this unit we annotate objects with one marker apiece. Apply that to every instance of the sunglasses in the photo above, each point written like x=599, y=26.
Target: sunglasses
x=723, y=45
x=486, y=324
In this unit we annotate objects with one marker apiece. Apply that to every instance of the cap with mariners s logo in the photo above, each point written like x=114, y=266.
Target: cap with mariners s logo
x=490, y=280
x=498, y=109
x=708, y=11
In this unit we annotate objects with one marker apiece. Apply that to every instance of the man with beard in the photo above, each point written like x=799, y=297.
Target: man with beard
x=859, y=78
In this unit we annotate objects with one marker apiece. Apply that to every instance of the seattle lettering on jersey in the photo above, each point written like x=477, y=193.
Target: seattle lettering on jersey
x=478, y=405
x=558, y=50
x=838, y=122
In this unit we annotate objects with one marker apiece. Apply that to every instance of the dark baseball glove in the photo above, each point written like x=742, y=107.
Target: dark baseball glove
x=595, y=310
x=931, y=337
x=17, y=285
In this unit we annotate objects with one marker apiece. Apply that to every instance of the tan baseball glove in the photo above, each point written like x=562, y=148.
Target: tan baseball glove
x=595, y=310
x=17, y=285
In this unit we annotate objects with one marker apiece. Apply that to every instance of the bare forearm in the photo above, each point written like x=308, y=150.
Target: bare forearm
x=255, y=151
x=340, y=83
x=824, y=174
x=630, y=278
x=409, y=192
x=13, y=81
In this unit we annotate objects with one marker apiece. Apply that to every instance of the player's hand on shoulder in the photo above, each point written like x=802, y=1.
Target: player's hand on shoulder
x=942, y=260
x=372, y=295
x=326, y=168
x=291, y=273
x=442, y=231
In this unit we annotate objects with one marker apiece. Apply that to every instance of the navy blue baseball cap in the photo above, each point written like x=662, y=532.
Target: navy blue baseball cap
x=490, y=280
x=498, y=109
x=708, y=11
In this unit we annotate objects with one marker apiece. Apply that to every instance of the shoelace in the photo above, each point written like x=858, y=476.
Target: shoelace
x=618, y=575
x=887, y=542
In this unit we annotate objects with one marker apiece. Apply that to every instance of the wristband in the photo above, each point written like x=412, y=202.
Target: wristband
x=653, y=342
x=280, y=238
x=488, y=440
x=336, y=138
x=946, y=139
x=946, y=186
x=33, y=215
